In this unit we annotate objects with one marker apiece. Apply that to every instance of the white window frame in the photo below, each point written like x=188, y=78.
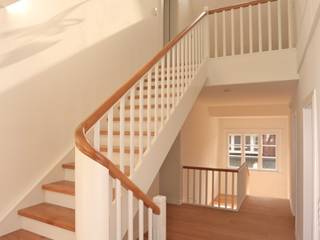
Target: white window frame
x=260, y=147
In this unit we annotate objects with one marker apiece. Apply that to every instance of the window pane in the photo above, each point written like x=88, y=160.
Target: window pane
x=269, y=163
x=235, y=161
x=251, y=139
x=237, y=139
x=252, y=162
x=269, y=139
x=269, y=152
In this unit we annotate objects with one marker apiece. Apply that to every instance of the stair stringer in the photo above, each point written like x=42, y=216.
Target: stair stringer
x=146, y=170
x=143, y=176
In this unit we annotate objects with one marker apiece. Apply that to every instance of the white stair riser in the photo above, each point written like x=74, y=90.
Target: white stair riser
x=69, y=175
x=47, y=230
x=60, y=199
x=116, y=140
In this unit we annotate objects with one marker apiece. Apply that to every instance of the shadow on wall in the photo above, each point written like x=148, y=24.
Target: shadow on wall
x=46, y=31
x=39, y=115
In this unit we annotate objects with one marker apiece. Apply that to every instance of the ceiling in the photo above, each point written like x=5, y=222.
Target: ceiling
x=275, y=93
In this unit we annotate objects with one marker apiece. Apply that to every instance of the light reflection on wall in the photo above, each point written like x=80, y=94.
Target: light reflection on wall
x=20, y=6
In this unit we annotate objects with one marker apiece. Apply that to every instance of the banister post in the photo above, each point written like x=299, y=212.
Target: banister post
x=160, y=221
x=92, y=198
x=207, y=33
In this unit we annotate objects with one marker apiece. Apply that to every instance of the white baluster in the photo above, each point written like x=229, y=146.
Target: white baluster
x=118, y=210
x=96, y=136
x=250, y=30
x=224, y=38
x=219, y=188
x=122, y=123
x=269, y=26
x=178, y=72
x=190, y=58
x=163, y=82
x=241, y=32
x=290, y=24
x=182, y=72
x=141, y=226
x=156, y=97
x=174, y=77
x=149, y=109
x=193, y=53
x=232, y=33
x=132, y=106
x=159, y=221
x=233, y=198
x=206, y=189
x=168, y=82
x=141, y=93
x=130, y=215
x=279, y=25
x=194, y=187
x=216, y=53
x=110, y=134
x=150, y=227
x=226, y=190
x=188, y=185
x=260, y=27
x=212, y=190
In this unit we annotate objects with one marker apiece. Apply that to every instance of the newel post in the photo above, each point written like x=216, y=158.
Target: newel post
x=160, y=221
x=92, y=197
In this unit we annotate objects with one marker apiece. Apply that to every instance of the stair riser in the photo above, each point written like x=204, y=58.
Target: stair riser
x=47, y=230
x=69, y=175
x=116, y=140
x=60, y=199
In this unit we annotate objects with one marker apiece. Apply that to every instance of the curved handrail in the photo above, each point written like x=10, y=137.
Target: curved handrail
x=80, y=135
x=242, y=5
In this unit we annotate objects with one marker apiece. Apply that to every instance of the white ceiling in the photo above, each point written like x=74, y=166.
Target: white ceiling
x=276, y=93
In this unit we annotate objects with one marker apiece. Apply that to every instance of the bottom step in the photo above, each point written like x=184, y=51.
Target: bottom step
x=23, y=235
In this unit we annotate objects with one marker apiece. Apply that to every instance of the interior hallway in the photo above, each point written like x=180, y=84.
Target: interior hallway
x=258, y=219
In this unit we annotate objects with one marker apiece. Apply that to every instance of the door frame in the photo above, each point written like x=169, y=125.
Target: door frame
x=310, y=164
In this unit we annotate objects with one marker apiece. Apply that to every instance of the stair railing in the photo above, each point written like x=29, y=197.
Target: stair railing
x=256, y=26
x=220, y=188
x=109, y=147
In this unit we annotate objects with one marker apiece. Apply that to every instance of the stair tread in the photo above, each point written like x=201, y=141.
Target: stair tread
x=51, y=214
x=23, y=235
x=68, y=165
x=126, y=168
x=66, y=187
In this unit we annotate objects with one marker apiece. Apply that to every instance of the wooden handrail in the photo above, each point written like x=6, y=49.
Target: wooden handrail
x=242, y=5
x=80, y=135
x=212, y=169
x=217, y=169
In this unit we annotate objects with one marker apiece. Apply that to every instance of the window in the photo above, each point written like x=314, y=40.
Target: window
x=259, y=151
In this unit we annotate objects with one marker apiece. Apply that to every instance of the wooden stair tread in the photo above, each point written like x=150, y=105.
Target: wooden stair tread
x=65, y=187
x=126, y=168
x=51, y=214
x=23, y=235
x=116, y=149
x=68, y=165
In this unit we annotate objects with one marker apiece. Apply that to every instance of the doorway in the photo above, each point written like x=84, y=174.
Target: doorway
x=310, y=169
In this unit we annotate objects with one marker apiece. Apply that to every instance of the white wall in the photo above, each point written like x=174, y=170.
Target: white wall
x=308, y=28
x=58, y=61
x=203, y=140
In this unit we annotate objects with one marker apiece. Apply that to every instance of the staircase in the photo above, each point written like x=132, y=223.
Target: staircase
x=122, y=145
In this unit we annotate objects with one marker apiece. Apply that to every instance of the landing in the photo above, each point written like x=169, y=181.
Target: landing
x=258, y=219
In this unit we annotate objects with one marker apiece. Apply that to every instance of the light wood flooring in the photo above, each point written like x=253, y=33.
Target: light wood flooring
x=258, y=219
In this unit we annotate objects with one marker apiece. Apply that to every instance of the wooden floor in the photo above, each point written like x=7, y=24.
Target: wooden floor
x=258, y=219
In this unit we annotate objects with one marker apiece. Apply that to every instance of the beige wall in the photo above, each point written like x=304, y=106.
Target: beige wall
x=261, y=183
x=308, y=28
x=58, y=61
x=203, y=143
x=171, y=174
